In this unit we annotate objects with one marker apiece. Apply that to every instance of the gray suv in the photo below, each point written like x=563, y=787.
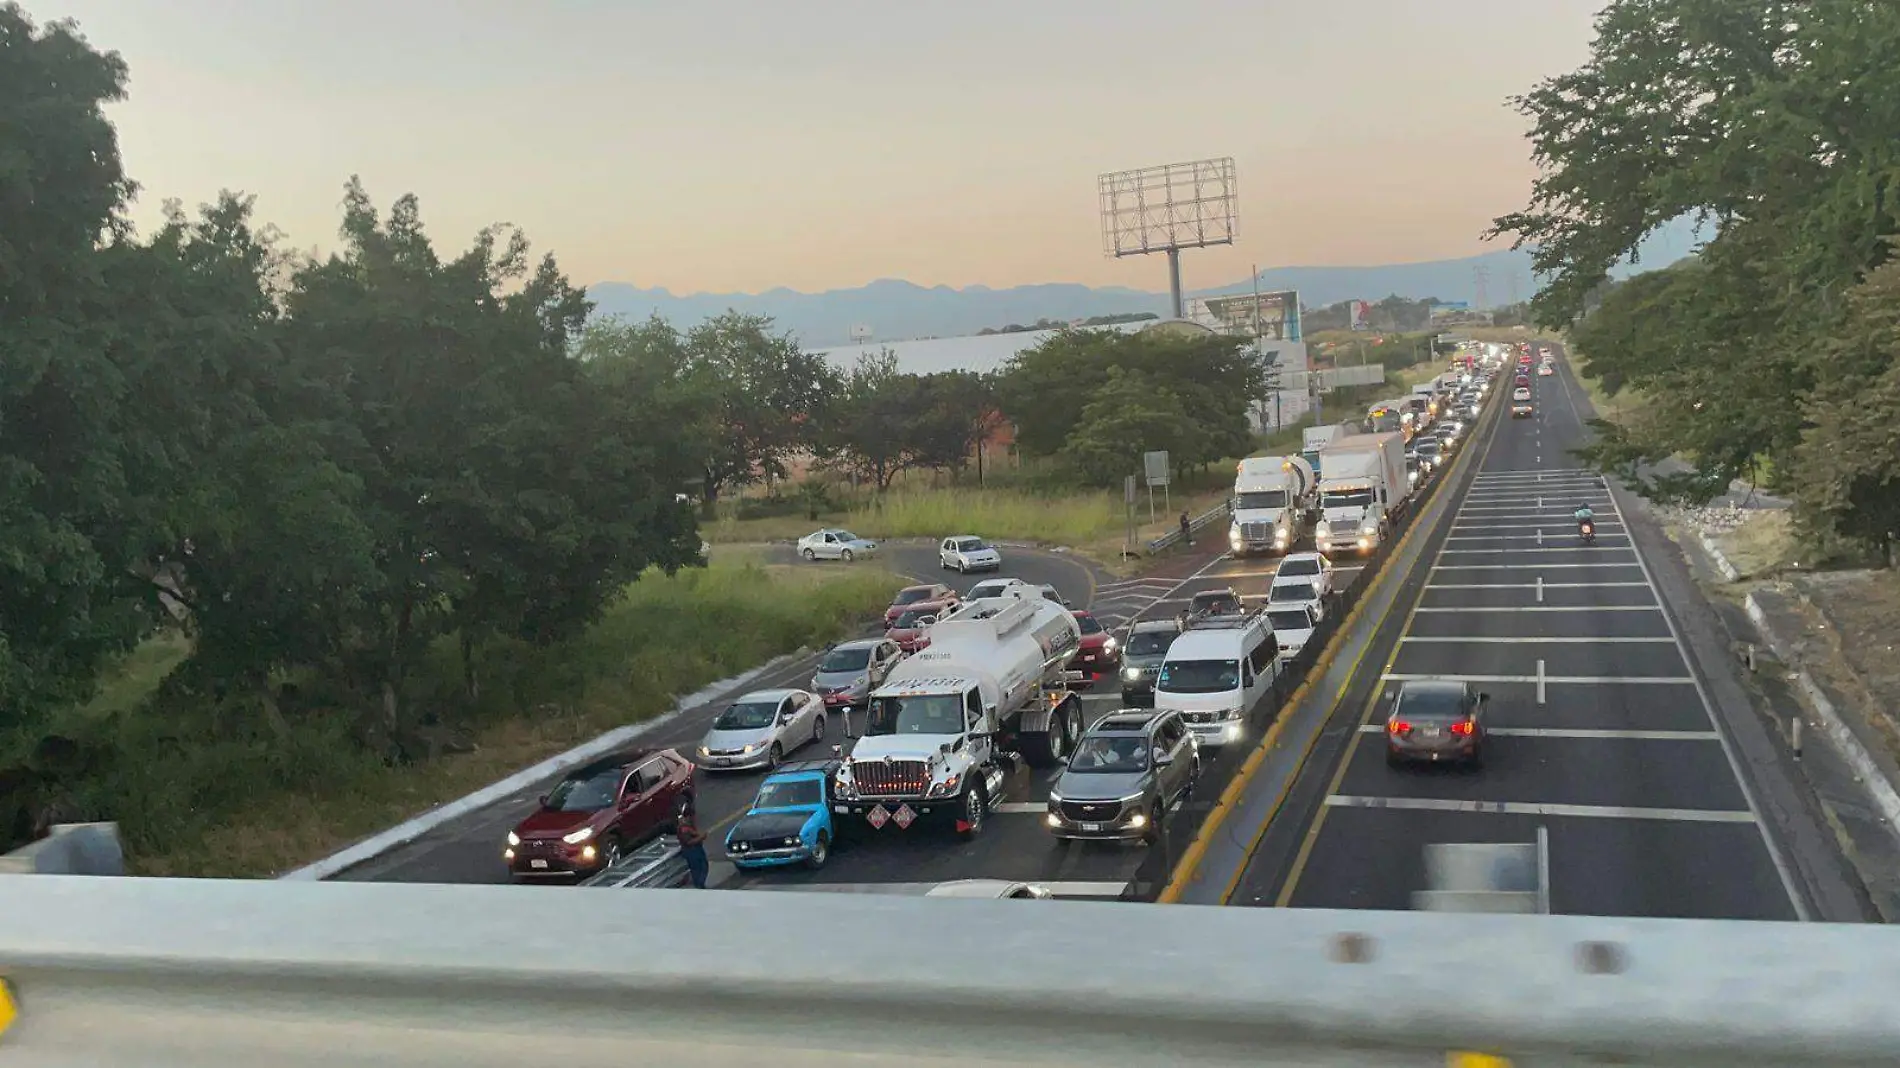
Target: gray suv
x=1141, y=657
x=1126, y=772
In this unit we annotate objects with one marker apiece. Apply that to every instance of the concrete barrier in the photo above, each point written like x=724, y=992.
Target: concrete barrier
x=214, y=973
x=71, y=849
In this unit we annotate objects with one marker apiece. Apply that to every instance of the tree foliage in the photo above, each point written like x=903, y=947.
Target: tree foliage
x=1773, y=121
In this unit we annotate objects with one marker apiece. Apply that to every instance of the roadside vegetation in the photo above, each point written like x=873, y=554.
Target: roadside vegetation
x=1772, y=355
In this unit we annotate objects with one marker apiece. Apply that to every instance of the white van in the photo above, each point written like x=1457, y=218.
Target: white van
x=1215, y=672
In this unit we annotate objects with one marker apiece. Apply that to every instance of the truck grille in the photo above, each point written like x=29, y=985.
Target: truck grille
x=895, y=778
x=1091, y=811
x=1256, y=531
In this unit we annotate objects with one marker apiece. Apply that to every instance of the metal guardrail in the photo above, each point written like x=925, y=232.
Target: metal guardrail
x=215, y=973
x=656, y=865
x=1195, y=526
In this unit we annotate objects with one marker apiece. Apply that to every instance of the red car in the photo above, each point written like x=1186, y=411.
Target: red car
x=909, y=630
x=1099, y=653
x=598, y=812
x=933, y=597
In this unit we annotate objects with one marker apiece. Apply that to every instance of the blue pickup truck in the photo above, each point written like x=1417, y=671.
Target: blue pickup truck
x=789, y=822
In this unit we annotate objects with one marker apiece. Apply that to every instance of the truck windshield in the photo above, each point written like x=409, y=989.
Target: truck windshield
x=1199, y=676
x=1346, y=498
x=937, y=713
x=1259, y=500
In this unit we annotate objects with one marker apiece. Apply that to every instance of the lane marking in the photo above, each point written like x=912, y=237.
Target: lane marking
x=1540, y=584
x=1541, y=683
x=1567, y=680
x=1564, y=549
x=1529, y=808
x=1541, y=567
x=1537, y=537
x=1443, y=639
x=1017, y=808
x=1059, y=888
x=1547, y=608
x=1583, y=734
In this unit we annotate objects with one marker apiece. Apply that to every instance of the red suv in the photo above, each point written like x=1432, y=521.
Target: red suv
x=598, y=812
x=933, y=598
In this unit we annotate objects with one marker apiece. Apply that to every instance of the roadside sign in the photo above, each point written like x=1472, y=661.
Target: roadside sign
x=904, y=817
x=9, y=1008
x=878, y=816
x=1128, y=490
x=1155, y=467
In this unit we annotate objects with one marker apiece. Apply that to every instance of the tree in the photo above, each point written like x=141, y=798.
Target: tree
x=1850, y=456
x=767, y=398
x=68, y=546
x=1128, y=415
x=871, y=429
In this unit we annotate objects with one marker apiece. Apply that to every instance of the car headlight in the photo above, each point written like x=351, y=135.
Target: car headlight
x=1131, y=674
x=750, y=747
x=514, y=839
x=703, y=751
x=1055, y=798
x=577, y=837
x=790, y=843
x=1109, y=647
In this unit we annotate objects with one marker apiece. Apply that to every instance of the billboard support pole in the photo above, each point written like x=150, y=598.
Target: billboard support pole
x=1151, y=502
x=1174, y=283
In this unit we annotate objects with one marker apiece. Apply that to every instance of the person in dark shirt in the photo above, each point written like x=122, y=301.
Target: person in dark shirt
x=692, y=845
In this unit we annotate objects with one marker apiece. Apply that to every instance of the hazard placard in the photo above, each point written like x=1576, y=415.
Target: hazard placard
x=904, y=817
x=879, y=816
x=9, y=1008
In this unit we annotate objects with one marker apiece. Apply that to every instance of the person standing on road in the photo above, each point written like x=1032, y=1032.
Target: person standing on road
x=692, y=847
x=1187, y=529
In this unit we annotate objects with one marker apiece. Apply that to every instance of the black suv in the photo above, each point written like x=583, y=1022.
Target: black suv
x=1126, y=772
x=1141, y=658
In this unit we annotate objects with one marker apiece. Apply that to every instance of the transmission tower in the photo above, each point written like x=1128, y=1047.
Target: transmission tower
x=1480, y=279
x=1511, y=281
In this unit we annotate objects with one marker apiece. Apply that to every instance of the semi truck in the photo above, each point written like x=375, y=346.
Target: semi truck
x=1363, y=490
x=949, y=724
x=1273, y=504
x=1315, y=438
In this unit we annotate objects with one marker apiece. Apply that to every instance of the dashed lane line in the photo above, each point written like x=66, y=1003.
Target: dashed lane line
x=1582, y=734
x=1560, y=680
x=1525, y=808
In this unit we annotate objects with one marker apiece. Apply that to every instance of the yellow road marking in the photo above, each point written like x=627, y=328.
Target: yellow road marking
x=1464, y=1059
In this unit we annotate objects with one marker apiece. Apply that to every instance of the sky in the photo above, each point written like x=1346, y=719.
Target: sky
x=747, y=144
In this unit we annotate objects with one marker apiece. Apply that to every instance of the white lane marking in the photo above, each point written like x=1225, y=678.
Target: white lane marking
x=1538, y=585
x=1021, y=807
x=1547, y=608
x=1540, y=567
x=1060, y=889
x=1542, y=681
x=1537, y=537
x=1526, y=522
x=1524, y=808
x=1565, y=680
x=1150, y=583
x=1558, y=549
x=1582, y=734
x=1169, y=596
x=1522, y=639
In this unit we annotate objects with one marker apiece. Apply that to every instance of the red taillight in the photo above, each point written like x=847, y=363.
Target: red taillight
x=1398, y=726
x=1466, y=728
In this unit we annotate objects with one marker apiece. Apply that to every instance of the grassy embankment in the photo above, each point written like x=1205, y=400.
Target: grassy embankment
x=195, y=801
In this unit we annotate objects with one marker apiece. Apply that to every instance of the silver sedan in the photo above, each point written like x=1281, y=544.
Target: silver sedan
x=757, y=730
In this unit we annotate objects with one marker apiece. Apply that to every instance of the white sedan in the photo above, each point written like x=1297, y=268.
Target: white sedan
x=1312, y=567
x=1293, y=626
x=757, y=730
x=835, y=544
x=966, y=553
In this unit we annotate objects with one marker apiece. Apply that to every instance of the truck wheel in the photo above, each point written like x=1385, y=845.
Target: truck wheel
x=1045, y=749
x=975, y=807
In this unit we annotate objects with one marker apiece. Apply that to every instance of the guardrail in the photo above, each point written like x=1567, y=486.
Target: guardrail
x=1195, y=525
x=656, y=865
x=214, y=973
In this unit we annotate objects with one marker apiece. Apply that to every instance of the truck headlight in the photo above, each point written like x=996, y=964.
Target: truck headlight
x=945, y=787
x=1131, y=674
x=1322, y=528
x=1369, y=528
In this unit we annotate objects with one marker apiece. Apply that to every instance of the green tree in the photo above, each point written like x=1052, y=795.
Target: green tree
x=871, y=428
x=68, y=545
x=1129, y=414
x=767, y=398
x=1850, y=456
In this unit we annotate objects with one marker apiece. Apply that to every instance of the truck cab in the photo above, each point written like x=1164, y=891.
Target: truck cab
x=1272, y=503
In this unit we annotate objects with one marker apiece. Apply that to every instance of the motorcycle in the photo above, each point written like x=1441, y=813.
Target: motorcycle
x=1588, y=529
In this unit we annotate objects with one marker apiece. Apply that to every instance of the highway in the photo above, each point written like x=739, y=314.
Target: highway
x=1013, y=846
x=1600, y=725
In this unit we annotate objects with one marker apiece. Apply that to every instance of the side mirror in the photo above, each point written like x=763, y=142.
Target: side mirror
x=542, y=800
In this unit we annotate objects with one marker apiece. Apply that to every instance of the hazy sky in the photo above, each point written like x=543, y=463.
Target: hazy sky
x=825, y=143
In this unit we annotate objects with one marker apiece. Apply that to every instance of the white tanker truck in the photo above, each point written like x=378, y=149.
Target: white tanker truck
x=949, y=724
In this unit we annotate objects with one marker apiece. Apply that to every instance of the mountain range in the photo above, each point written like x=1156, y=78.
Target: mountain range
x=896, y=310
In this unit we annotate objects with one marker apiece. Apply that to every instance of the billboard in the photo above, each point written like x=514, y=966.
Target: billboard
x=1358, y=314
x=1274, y=316
x=1451, y=309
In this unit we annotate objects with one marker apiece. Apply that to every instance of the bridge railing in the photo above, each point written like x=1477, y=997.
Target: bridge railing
x=206, y=973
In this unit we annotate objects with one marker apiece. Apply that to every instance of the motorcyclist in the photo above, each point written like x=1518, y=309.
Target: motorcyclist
x=1585, y=514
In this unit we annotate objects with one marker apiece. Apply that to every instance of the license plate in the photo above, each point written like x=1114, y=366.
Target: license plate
x=724, y=762
x=1428, y=732
x=538, y=864
x=1091, y=827
x=846, y=809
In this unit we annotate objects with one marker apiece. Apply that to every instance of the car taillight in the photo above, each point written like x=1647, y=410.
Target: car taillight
x=1398, y=726
x=1465, y=727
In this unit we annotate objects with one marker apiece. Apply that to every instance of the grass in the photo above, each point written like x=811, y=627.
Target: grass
x=195, y=797
x=1765, y=543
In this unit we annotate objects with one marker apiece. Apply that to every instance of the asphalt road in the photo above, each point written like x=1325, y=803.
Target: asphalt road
x=468, y=850
x=1600, y=728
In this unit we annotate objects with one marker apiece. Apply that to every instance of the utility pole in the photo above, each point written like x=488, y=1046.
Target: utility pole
x=1480, y=277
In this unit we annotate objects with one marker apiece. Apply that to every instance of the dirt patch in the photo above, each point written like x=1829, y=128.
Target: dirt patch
x=1853, y=617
